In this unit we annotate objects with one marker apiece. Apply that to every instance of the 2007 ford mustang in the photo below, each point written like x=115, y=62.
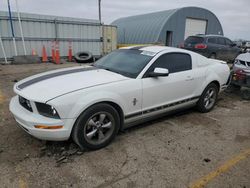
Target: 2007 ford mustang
x=126, y=87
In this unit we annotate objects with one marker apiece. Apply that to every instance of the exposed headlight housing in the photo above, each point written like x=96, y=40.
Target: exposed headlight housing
x=237, y=62
x=47, y=110
x=25, y=103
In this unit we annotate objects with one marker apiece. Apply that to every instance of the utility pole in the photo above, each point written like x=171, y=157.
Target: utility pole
x=101, y=27
x=12, y=28
x=21, y=29
x=100, y=13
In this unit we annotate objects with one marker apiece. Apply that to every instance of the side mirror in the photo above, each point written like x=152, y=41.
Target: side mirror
x=233, y=44
x=159, y=72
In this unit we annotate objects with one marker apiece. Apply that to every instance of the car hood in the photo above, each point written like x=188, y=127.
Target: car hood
x=244, y=57
x=46, y=86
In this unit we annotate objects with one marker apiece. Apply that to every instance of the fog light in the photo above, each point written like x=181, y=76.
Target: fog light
x=48, y=127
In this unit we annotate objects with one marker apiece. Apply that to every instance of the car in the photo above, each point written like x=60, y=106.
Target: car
x=242, y=62
x=124, y=88
x=247, y=45
x=241, y=73
x=213, y=46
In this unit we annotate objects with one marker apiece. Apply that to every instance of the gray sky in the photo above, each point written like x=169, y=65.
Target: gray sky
x=234, y=15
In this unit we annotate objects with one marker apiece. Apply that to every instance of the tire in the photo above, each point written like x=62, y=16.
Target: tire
x=83, y=57
x=245, y=94
x=212, y=56
x=208, y=98
x=96, y=127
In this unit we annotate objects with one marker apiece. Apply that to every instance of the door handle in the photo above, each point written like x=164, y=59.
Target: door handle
x=189, y=78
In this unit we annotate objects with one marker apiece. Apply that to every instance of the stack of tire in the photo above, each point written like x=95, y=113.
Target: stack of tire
x=84, y=57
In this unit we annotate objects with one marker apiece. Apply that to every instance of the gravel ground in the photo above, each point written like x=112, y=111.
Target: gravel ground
x=174, y=151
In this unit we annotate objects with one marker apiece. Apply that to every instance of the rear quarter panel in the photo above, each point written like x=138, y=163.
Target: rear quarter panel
x=217, y=71
x=211, y=70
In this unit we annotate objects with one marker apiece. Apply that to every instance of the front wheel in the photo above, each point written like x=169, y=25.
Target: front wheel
x=96, y=127
x=208, y=98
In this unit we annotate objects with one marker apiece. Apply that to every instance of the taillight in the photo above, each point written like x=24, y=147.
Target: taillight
x=200, y=46
x=240, y=75
x=181, y=45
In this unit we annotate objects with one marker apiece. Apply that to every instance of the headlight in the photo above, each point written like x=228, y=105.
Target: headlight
x=237, y=62
x=25, y=103
x=47, y=110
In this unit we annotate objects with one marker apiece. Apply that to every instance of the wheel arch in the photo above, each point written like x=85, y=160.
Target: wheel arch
x=217, y=83
x=116, y=106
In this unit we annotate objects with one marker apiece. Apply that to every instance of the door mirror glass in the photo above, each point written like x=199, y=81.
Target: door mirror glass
x=159, y=72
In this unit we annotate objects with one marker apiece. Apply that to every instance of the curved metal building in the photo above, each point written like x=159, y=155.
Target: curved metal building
x=169, y=27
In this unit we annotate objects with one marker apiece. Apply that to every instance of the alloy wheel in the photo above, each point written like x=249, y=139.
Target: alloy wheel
x=210, y=98
x=99, y=128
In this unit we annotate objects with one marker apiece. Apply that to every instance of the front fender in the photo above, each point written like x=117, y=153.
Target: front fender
x=73, y=104
x=86, y=101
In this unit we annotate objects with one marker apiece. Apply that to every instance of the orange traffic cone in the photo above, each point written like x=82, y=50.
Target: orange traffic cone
x=53, y=54
x=57, y=53
x=33, y=52
x=44, y=55
x=70, y=52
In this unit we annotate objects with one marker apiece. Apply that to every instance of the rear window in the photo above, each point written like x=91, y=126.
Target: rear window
x=194, y=40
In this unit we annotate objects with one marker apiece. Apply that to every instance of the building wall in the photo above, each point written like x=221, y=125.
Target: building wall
x=39, y=30
x=177, y=23
x=151, y=28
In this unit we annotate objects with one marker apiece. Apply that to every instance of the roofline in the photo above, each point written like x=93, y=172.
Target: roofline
x=144, y=14
x=164, y=23
x=174, y=11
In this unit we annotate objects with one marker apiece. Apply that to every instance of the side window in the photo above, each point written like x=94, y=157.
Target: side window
x=174, y=62
x=212, y=40
x=228, y=42
x=221, y=41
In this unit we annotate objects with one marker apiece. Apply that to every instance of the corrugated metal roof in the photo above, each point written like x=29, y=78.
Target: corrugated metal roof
x=47, y=17
x=151, y=25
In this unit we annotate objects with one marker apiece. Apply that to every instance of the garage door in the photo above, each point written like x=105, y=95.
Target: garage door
x=195, y=26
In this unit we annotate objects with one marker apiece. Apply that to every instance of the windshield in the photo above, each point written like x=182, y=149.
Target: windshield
x=127, y=62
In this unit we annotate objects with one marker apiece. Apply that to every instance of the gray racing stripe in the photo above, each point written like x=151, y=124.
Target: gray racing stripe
x=52, y=75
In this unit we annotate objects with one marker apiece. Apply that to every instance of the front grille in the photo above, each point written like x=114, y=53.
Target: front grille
x=25, y=103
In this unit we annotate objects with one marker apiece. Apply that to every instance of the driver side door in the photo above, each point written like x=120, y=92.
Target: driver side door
x=177, y=86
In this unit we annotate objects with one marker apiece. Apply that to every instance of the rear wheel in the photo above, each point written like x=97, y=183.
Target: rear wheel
x=96, y=127
x=208, y=98
x=212, y=56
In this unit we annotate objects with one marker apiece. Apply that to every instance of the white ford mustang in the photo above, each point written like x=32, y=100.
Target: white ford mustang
x=126, y=87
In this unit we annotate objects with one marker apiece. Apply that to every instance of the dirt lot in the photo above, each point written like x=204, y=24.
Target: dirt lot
x=182, y=150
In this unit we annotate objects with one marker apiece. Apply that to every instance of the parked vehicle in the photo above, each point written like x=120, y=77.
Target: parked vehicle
x=126, y=87
x=238, y=43
x=242, y=62
x=213, y=46
x=247, y=45
x=241, y=75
